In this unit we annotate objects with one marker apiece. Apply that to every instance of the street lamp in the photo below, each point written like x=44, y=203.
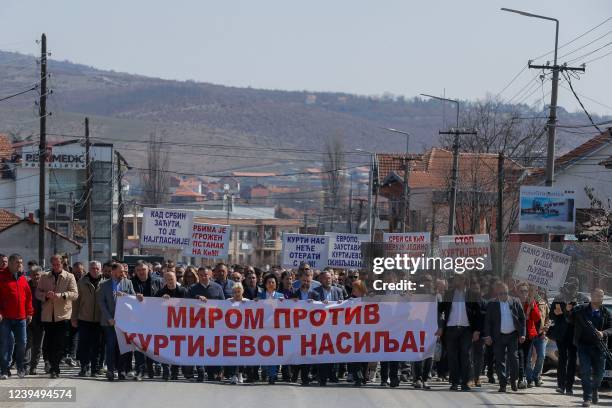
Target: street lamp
x=552, y=118
x=455, y=171
x=406, y=201
x=371, y=217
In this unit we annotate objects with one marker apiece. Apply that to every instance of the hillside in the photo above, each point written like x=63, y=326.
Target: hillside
x=215, y=118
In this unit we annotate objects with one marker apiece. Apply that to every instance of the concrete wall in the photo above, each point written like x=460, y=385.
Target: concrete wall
x=23, y=239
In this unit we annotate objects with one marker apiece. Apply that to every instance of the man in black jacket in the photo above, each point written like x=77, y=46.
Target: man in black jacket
x=171, y=290
x=146, y=285
x=204, y=290
x=461, y=325
x=592, y=326
x=504, y=328
x=562, y=332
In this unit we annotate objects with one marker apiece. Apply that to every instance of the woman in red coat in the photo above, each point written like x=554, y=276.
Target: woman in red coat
x=532, y=322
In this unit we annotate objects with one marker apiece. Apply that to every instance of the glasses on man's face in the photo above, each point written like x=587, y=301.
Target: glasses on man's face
x=354, y=276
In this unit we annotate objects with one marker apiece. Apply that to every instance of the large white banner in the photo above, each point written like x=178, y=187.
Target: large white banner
x=208, y=241
x=547, y=210
x=541, y=267
x=165, y=228
x=345, y=250
x=466, y=246
x=298, y=248
x=414, y=244
x=269, y=332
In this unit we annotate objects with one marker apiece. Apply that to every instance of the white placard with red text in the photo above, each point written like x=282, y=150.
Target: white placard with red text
x=466, y=246
x=414, y=244
x=189, y=332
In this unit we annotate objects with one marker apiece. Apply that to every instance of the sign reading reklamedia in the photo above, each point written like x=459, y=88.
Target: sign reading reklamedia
x=165, y=228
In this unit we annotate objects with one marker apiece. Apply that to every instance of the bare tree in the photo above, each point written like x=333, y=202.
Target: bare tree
x=517, y=134
x=155, y=178
x=334, y=180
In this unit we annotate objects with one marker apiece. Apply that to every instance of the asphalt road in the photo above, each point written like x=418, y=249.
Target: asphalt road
x=157, y=393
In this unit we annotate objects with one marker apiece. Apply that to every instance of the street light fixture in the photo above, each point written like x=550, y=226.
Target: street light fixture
x=406, y=201
x=552, y=118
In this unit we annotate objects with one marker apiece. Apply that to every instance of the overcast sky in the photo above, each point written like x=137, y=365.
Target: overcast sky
x=469, y=47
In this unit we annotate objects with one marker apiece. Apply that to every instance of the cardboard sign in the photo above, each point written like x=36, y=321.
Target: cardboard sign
x=541, y=267
x=310, y=249
x=208, y=241
x=165, y=228
x=466, y=246
x=414, y=244
x=345, y=250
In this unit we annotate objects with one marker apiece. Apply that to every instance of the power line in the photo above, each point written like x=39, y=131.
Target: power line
x=575, y=39
x=19, y=93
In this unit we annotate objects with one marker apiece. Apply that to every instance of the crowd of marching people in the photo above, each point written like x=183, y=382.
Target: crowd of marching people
x=487, y=327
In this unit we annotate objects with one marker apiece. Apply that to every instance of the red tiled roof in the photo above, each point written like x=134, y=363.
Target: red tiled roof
x=579, y=152
x=7, y=219
x=433, y=169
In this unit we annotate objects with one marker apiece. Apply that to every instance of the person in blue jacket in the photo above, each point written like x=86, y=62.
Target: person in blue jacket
x=270, y=284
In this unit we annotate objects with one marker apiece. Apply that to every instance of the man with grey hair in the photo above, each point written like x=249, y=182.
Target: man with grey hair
x=15, y=314
x=86, y=316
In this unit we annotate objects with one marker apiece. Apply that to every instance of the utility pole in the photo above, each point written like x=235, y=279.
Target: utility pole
x=406, y=201
x=349, y=219
x=120, y=207
x=42, y=150
x=455, y=174
x=89, y=184
x=552, y=116
x=455, y=171
x=359, y=214
x=500, y=214
x=305, y=222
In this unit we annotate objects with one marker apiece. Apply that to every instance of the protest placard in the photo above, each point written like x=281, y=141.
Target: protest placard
x=414, y=244
x=541, y=267
x=462, y=247
x=345, y=250
x=208, y=241
x=310, y=249
x=165, y=228
x=188, y=332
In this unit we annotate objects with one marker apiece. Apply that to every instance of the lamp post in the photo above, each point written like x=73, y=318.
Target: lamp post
x=552, y=117
x=455, y=172
x=406, y=201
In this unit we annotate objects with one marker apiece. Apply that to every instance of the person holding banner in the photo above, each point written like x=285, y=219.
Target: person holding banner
x=328, y=293
x=146, y=285
x=358, y=370
x=504, y=328
x=220, y=274
x=171, y=290
x=270, y=284
x=461, y=326
x=237, y=298
x=304, y=292
x=107, y=294
x=206, y=289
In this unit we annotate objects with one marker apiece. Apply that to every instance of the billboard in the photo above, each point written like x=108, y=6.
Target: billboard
x=547, y=210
